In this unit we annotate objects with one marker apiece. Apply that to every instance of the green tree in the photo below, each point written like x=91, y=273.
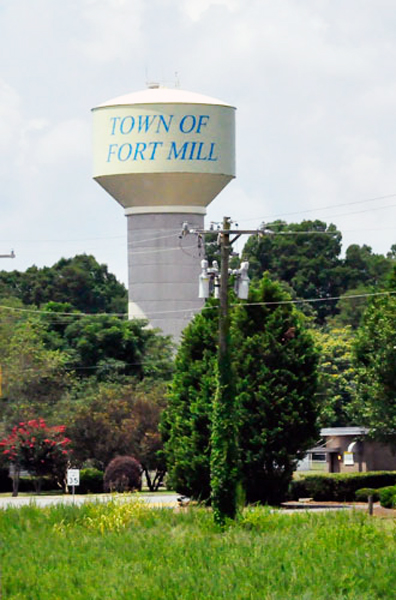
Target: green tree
x=337, y=378
x=109, y=347
x=274, y=361
x=186, y=423
x=34, y=377
x=81, y=281
x=375, y=353
x=305, y=255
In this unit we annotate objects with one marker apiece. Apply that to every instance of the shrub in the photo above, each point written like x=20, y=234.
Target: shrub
x=91, y=481
x=339, y=487
x=388, y=496
x=123, y=474
x=363, y=494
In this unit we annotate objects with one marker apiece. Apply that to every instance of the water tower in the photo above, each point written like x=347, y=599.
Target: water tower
x=163, y=154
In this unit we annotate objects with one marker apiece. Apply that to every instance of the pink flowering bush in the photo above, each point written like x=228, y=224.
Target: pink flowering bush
x=38, y=448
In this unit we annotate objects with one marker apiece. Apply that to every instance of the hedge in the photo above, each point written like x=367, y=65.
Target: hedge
x=387, y=497
x=91, y=482
x=338, y=487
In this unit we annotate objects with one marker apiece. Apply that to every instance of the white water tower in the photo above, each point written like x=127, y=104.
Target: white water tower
x=163, y=154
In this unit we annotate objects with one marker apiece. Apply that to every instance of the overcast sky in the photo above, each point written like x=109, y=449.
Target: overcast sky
x=314, y=83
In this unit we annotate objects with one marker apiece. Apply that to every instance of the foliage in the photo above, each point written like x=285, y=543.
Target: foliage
x=387, y=496
x=375, y=354
x=110, y=347
x=110, y=419
x=363, y=494
x=263, y=555
x=81, y=281
x=308, y=262
x=186, y=423
x=338, y=487
x=91, y=481
x=123, y=474
x=274, y=361
x=311, y=264
x=337, y=378
x=34, y=377
x=39, y=449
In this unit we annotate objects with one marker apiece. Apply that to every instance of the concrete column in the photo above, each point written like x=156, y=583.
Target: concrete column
x=163, y=270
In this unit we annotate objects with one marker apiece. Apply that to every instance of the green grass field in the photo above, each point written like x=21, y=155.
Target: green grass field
x=126, y=550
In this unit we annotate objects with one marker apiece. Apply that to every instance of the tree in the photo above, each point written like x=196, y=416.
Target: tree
x=39, y=449
x=112, y=419
x=306, y=255
x=275, y=364
x=337, y=378
x=274, y=361
x=186, y=422
x=81, y=281
x=107, y=346
x=375, y=354
x=34, y=377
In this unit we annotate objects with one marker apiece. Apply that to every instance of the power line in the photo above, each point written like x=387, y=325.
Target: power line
x=329, y=207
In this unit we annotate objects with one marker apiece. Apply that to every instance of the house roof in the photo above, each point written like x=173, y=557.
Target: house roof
x=343, y=431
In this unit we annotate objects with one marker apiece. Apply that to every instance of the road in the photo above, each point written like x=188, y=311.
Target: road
x=160, y=500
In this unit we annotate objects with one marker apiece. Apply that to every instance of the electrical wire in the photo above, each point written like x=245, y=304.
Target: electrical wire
x=329, y=207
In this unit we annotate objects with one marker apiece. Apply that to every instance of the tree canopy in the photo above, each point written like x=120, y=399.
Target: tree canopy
x=80, y=281
x=274, y=361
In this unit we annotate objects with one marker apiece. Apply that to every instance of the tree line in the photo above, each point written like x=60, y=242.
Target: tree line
x=302, y=358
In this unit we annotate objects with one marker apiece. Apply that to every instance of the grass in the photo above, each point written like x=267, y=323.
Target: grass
x=131, y=551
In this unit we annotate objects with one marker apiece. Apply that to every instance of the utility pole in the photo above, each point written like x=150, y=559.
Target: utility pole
x=224, y=467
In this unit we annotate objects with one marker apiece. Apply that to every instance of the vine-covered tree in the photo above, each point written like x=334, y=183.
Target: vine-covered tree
x=275, y=361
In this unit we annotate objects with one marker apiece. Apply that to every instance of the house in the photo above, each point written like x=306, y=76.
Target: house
x=348, y=450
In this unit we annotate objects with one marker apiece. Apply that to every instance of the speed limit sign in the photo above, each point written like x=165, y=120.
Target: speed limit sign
x=73, y=477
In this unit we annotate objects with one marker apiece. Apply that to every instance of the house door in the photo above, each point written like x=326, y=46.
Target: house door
x=334, y=463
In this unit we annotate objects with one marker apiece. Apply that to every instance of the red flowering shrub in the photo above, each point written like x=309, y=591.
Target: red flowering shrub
x=38, y=448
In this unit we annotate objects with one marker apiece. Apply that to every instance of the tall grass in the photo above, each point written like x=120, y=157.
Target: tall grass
x=130, y=551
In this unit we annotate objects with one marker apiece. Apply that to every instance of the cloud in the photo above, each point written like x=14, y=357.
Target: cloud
x=114, y=29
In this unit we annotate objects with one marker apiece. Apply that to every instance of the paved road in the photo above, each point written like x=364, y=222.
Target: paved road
x=160, y=500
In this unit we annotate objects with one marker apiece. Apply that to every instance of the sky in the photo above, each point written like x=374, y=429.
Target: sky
x=313, y=81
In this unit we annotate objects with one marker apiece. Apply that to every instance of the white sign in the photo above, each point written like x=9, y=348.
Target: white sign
x=348, y=458
x=73, y=477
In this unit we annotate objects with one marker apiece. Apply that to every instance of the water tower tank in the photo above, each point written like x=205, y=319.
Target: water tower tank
x=163, y=154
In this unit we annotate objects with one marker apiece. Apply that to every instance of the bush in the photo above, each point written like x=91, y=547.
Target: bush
x=388, y=496
x=363, y=494
x=123, y=474
x=91, y=482
x=339, y=487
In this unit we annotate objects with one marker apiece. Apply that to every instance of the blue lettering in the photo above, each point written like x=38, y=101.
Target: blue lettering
x=154, y=146
x=174, y=153
x=199, y=157
x=127, y=124
x=114, y=119
x=183, y=127
x=166, y=125
x=145, y=122
x=128, y=152
x=202, y=122
x=139, y=149
x=112, y=148
x=193, y=144
x=211, y=157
